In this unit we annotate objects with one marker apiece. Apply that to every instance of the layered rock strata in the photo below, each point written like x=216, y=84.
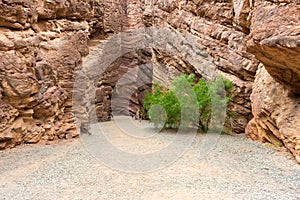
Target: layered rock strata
x=222, y=27
x=275, y=40
x=43, y=44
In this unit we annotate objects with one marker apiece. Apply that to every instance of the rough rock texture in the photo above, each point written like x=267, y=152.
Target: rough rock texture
x=275, y=41
x=220, y=31
x=275, y=98
x=222, y=27
x=276, y=113
x=120, y=84
x=44, y=42
x=234, y=32
x=126, y=96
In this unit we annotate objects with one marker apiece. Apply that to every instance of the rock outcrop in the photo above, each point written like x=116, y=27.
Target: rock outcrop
x=222, y=27
x=275, y=40
x=42, y=43
x=275, y=97
x=276, y=113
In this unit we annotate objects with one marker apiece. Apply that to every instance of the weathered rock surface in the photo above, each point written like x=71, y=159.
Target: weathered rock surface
x=43, y=43
x=223, y=33
x=119, y=83
x=275, y=41
x=276, y=113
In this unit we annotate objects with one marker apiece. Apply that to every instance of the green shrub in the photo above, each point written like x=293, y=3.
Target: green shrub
x=164, y=106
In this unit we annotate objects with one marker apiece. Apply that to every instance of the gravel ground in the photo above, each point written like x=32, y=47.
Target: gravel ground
x=235, y=168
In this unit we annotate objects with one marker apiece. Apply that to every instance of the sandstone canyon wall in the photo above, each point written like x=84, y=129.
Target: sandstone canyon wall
x=254, y=43
x=275, y=40
x=42, y=44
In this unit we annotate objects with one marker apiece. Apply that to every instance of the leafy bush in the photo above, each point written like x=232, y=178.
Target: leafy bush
x=173, y=107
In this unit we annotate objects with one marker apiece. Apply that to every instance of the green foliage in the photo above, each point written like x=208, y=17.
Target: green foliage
x=172, y=107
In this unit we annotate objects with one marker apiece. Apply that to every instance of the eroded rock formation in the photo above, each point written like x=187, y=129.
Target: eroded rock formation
x=221, y=26
x=276, y=113
x=43, y=42
x=275, y=41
